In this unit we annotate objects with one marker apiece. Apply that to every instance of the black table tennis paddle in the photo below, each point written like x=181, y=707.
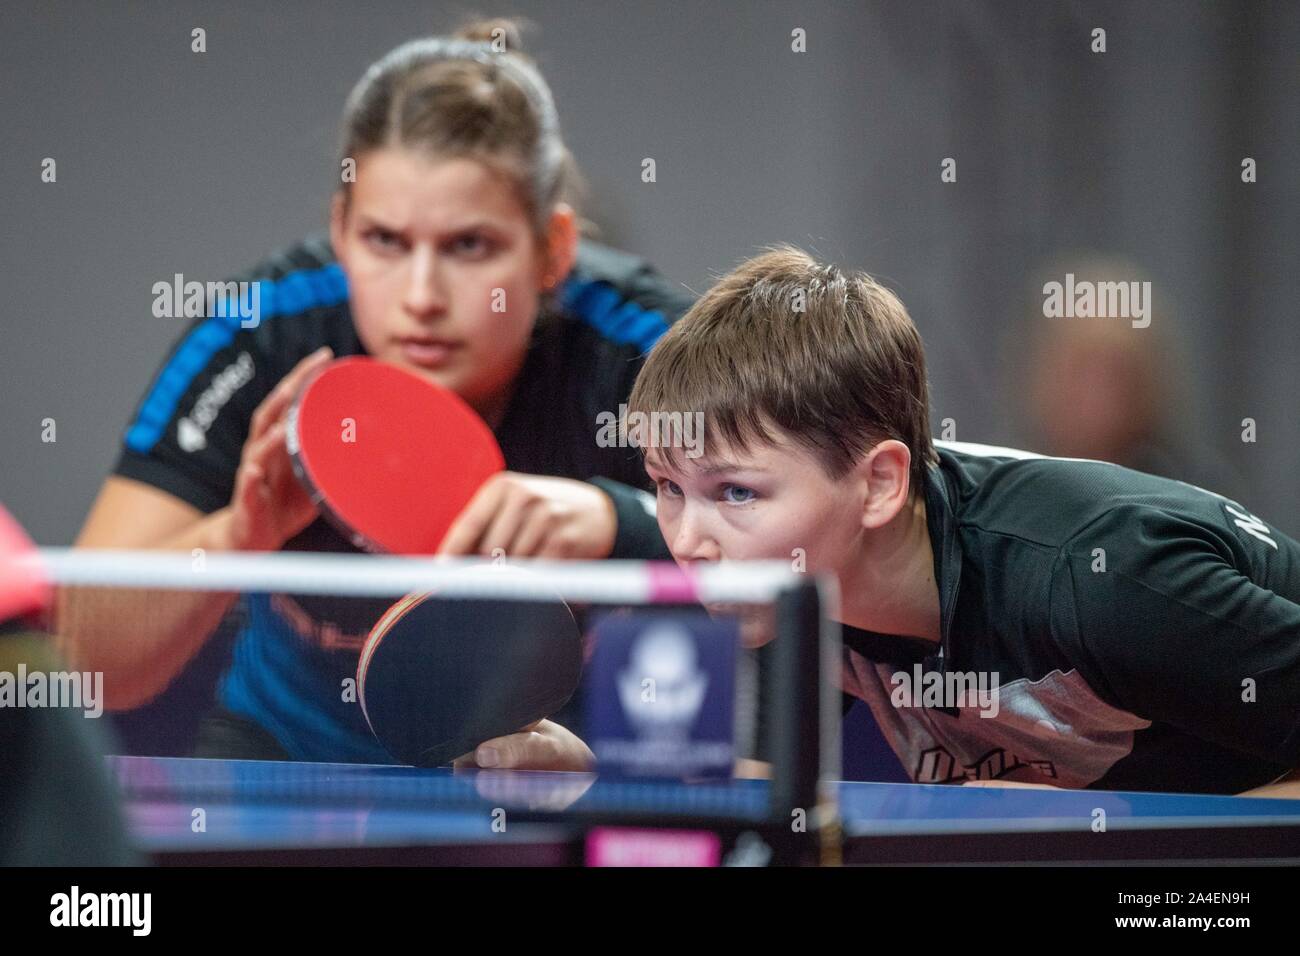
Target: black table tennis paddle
x=438, y=675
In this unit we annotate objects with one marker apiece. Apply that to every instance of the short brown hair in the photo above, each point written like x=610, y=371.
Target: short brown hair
x=833, y=359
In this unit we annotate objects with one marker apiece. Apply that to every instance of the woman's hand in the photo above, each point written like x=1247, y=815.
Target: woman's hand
x=543, y=745
x=270, y=505
x=531, y=516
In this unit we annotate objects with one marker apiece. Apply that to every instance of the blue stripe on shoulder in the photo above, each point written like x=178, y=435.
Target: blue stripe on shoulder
x=602, y=307
x=294, y=293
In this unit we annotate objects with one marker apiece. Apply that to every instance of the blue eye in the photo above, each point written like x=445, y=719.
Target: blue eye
x=742, y=495
x=669, y=487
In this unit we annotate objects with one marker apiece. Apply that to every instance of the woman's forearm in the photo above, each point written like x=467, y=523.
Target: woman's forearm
x=141, y=639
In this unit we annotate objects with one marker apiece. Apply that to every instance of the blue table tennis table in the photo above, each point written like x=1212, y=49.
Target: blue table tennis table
x=194, y=811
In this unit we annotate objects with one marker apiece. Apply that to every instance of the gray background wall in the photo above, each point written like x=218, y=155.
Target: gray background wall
x=170, y=161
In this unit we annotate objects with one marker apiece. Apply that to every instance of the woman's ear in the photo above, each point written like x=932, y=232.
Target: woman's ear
x=886, y=471
x=561, y=247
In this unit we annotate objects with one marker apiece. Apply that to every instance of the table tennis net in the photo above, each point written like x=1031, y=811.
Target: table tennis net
x=674, y=663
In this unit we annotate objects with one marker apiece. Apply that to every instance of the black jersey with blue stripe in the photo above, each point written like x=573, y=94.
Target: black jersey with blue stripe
x=186, y=437
x=187, y=434
x=1141, y=633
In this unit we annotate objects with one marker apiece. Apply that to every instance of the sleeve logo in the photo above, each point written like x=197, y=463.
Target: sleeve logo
x=1251, y=525
x=192, y=429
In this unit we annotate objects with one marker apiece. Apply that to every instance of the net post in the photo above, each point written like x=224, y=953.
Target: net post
x=796, y=713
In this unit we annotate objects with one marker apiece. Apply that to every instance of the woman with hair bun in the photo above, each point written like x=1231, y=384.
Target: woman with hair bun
x=454, y=252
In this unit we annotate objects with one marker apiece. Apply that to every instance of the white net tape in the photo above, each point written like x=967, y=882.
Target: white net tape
x=613, y=582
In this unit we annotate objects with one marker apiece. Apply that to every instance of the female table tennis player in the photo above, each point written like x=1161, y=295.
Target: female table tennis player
x=460, y=186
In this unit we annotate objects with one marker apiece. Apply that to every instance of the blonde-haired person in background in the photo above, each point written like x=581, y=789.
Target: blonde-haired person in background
x=1105, y=386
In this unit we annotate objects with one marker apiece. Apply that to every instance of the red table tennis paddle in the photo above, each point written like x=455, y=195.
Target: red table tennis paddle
x=439, y=676
x=24, y=592
x=390, y=458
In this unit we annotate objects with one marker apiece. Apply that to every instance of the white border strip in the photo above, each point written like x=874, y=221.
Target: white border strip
x=613, y=582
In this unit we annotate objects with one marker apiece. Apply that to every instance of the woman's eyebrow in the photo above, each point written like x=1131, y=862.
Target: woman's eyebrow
x=367, y=220
x=470, y=226
x=712, y=468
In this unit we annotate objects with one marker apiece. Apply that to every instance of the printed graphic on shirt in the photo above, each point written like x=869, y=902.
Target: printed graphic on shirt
x=326, y=635
x=1251, y=525
x=1054, y=730
x=192, y=428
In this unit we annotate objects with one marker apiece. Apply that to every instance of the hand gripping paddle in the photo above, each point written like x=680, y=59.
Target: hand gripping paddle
x=438, y=676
